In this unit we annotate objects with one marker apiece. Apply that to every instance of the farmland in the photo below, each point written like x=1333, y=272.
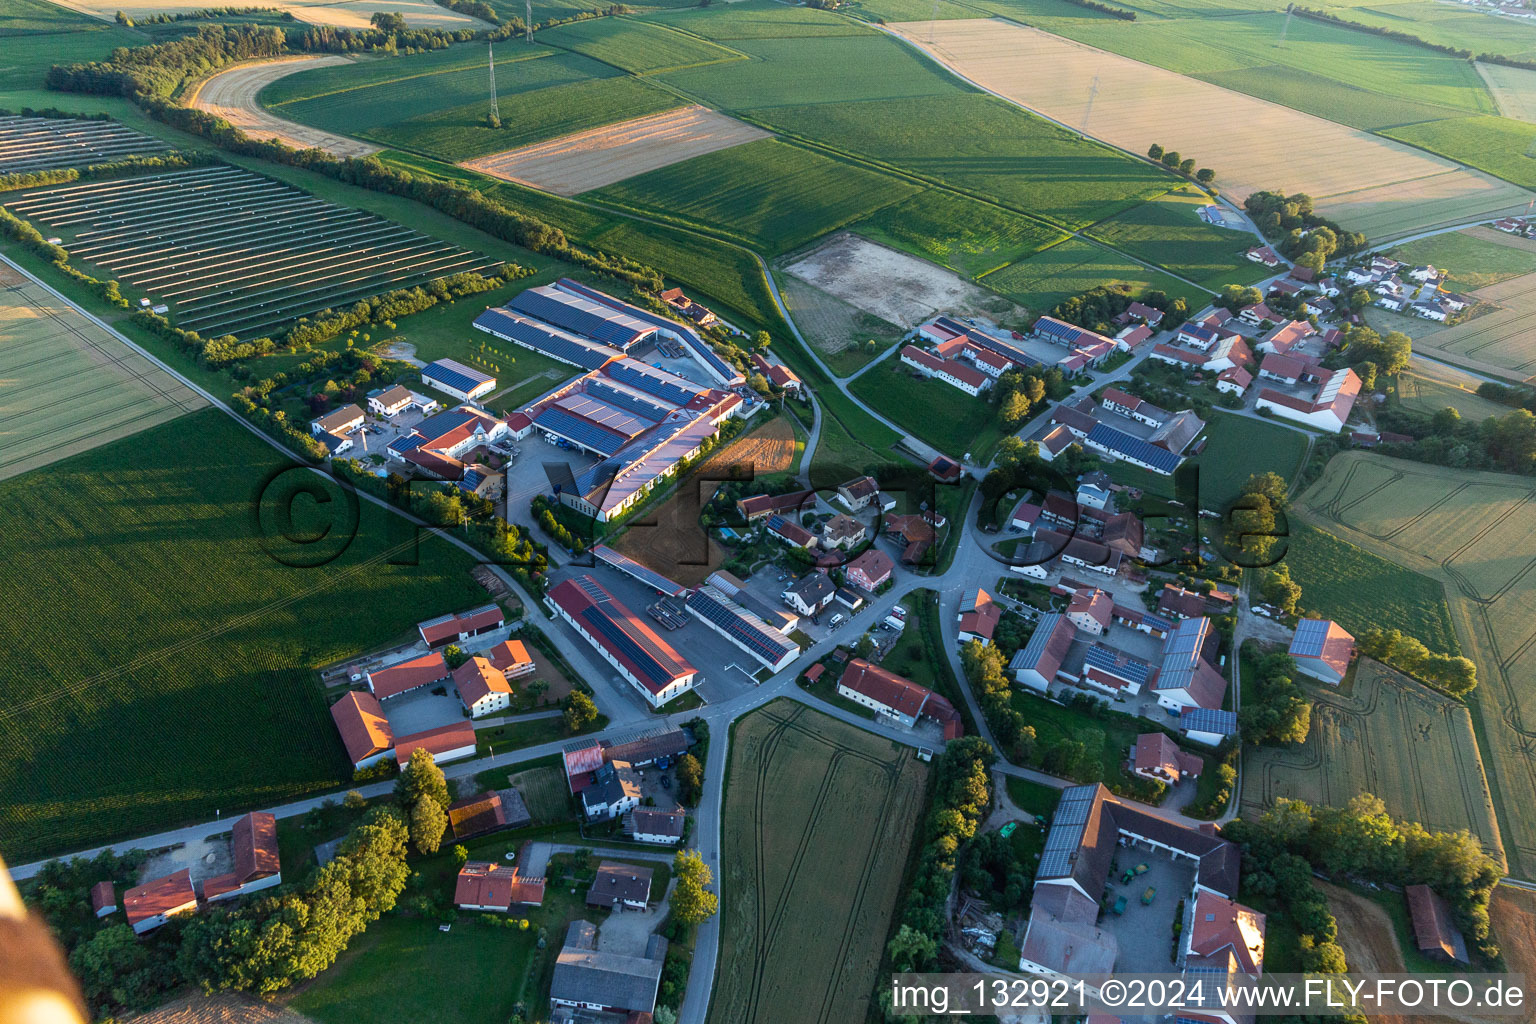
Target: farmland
x=1238, y=447
x=33, y=17
x=344, y=14
x=1389, y=736
x=203, y=691
x=1493, y=144
x=69, y=385
x=1474, y=258
x=291, y=254
x=840, y=333
x=953, y=230
x=1469, y=531
x=231, y=94
x=1513, y=89
x=44, y=143
x=1040, y=281
x=944, y=416
x=813, y=806
x=637, y=47
x=1499, y=340
x=1427, y=388
x=1167, y=232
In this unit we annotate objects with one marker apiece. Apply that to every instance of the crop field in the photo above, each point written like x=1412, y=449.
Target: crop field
x=670, y=538
x=1040, y=281
x=769, y=194
x=1168, y=233
x=1329, y=98
x=1474, y=258
x=1238, y=447
x=1471, y=532
x=203, y=692
x=232, y=95
x=545, y=792
x=1359, y=179
x=1500, y=340
x=944, y=416
x=1513, y=89
x=1429, y=387
x=70, y=386
x=343, y=14
x=638, y=47
x=813, y=806
x=1389, y=736
x=1497, y=145
x=966, y=235
x=44, y=143
x=839, y=332
x=33, y=17
x=236, y=253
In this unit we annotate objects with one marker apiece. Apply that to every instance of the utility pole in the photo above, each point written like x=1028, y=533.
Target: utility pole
x=1093, y=92
x=1285, y=26
x=528, y=21
x=495, y=110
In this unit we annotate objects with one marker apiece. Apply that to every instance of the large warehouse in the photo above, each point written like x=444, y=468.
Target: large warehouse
x=650, y=664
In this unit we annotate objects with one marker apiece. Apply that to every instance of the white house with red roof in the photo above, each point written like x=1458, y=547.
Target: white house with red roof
x=1265, y=255
x=1328, y=409
x=408, y=675
x=1322, y=649
x=1222, y=934
x=888, y=694
x=1091, y=611
x=152, y=904
x=978, y=617
x=1234, y=380
x=871, y=570
x=951, y=371
x=451, y=742
x=1154, y=756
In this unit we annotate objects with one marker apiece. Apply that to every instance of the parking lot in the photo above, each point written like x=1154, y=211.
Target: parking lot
x=527, y=477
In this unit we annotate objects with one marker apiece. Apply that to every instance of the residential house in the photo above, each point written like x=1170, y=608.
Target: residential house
x=945, y=470
x=1265, y=255
x=810, y=593
x=487, y=886
x=1223, y=937
x=483, y=687
x=1154, y=756
x=1036, y=663
x=870, y=570
x=978, y=617
x=615, y=790
x=761, y=506
x=1091, y=494
x=1234, y=380
x=1280, y=368
x=675, y=298
x=895, y=697
x=843, y=532
x=1322, y=649
x=1091, y=611
x=587, y=980
x=338, y=421
x=148, y=906
x=392, y=401
x=648, y=825
x=778, y=376
x=1257, y=314
x=857, y=494
x=620, y=887
x=254, y=861
x=790, y=532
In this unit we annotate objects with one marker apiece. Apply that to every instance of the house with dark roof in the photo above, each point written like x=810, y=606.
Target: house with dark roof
x=485, y=885
x=944, y=469
x=1208, y=727
x=1434, y=930
x=152, y=904
x=620, y=887
x=591, y=980
x=364, y=730
x=809, y=594
x=1173, y=600
x=843, y=532
x=650, y=664
x=1036, y=663
x=456, y=380
x=649, y=825
x=858, y=493
x=870, y=570
x=760, y=506
x=614, y=791
x=103, y=899
x=646, y=746
x=254, y=859
x=790, y=532
x=477, y=815
x=1322, y=649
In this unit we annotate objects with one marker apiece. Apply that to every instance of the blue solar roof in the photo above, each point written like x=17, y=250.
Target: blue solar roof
x=746, y=630
x=640, y=405
x=642, y=377
x=1029, y=656
x=456, y=377
x=728, y=373
x=1311, y=635
x=1068, y=333
x=407, y=444
x=1209, y=720
x=579, y=431
x=1107, y=660
x=1066, y=834
x=1200, y=333
x=588, y=355
x=652, y=579
x=1157, y=622
x=581, y=315
x=1118, y=441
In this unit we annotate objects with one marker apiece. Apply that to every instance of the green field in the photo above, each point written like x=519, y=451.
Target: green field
x=939, y=413
x=767, y=194
x=1472, y=259
x=33, y=17
x=1046, y=278
x=812, y=806
x=1498, y=145
x=1167, y=232
x=177, y=676
x=966, y=235
x=1109, y=739
x=1317, y=94
x=839, y=332
x=637, y=47
x=1429, y=387
x=1238, y=447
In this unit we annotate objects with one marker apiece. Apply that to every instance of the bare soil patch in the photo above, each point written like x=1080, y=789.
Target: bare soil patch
x=231, y=94
x=1368, y=183
x=1513, y=914
x=898, y=288
x=578, y=163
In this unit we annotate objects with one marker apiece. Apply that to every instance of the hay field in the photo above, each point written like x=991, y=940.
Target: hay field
x=1502, y=340
x=1475, y=258
x=1513, y=89
x=66, y=385
x=1470, y=531
x=231, y=95
x=343, y=14
x=1390, y=736
x=670, y=539
x=591, y=159
x=1427, y=387
x=819, y=819
x=1363, y=181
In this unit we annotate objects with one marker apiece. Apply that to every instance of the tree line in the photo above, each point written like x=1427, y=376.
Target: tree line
x=18, y=230
x=392, y=305
x=1301, y=235
x=133, y=164
x=1112, y=11
x=1185, y=165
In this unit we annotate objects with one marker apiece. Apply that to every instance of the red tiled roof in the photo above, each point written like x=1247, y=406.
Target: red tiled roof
x=1096, y=604
x=1192, y=358
x=1282, y=366
x=509, y=655
x=1156, y=750
x=1433, y=931
x=876, y=566
x=478, y=678
x=485, y=884
x=476, y=815
x=253, y=843
x=1237, y=375
x=900, y=695
x=407, y=675
x=446, y=626
x=815, y=672
x=160, y=896
x=949, y=367
x=1220, y=924
x=364, y=729
x=438, y=741
x=519, y=421
x=102, y=896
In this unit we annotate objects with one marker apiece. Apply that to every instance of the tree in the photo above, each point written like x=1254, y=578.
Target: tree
x=428, y=823
x=1187, y=165
x=1171, y=158
x=865, y=646
x=1156, y=152
x=1234, y=297
x=390, y=23
x=491, y=120
x=115, y=969
x=690, y=780
x=1366, y=371
x=1280, y=590
x=1313, y=261
x=665, y=1014
x=1015, y=410
x=460, y=855
x=909, y=949
x=1205, y=175
x=580, y=712
x=421, y=777
x=757, y=382
x=692, y=903
x=354, y=801
x=1271, y=485
x=761, y=340
x=454, y=655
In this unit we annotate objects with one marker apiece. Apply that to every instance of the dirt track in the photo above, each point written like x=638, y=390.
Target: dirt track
x=231, y=95
x=578, y=163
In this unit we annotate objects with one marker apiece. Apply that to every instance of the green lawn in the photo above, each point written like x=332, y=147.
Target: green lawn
x=1046, y=278
x=1470, y=262
x=178, y=675
x=1033, y=797
x=1109, y=738
x=1349, y=584
x=637, y=47
x=768, y=194
x=1240, y=446
x=1167, y=232
x=944, y=416
x=967, y=235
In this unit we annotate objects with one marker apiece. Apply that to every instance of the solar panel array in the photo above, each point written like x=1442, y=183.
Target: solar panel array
x=727, y=373
x=45, y=143
x=588, y=355
x=653, y=382
x=1118, y=441
x=582, y=315
x=1311, y=636
x=625, y=564
x=627, y=398
x=1066, y=834
x=579, y=431
x=232, y=252
x=456, y=376
x=1209, y=720
x=1108, y=660
x=656, y=665
x=596, y=410
x=1030, y=655
x=746, y=630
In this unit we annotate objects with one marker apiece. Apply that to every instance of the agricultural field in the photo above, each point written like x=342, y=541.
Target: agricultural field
x=1238, y=447
x=1470, y=532
x=769, y=195
x=1389, y=736
x=70, y=386
x=1499, y=340
x=1358, y=179
x=812, y=806
x=1041, y=281
x=1427, y=388
x=290, y=255
x=1167, y=232
x=966, y=235
x=344, y=14
x=163, y=677
x=33, y=17
x=938, y=413
x=1497, y=145
x=1513, y=89
x=545, y=792
x=232, y=95
x=573, y=164
x=45, y=143
x=1474, y=258
x=840, y=333
x=638, y=47
x=670, y=539
x=1325, y=97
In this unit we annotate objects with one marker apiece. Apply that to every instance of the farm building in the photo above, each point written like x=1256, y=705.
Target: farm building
x=588, y=979
x=646, y=746
x=613, y=791
x=790, y=532
x=901, y=699
x=1036, y=663
x=871, y=570
x=629, y=567
x=392, y=401
x=482, y=885
x=1223, y=935
x=451, y=742
x=723, y=373
x=365, y=732
x=620, y=886
x=1113, y=672
x=571, y=311
x=1208, y=727
x=440, y=445
x=1327, y=409
x=152, y=904
x=103, y=899
x=581, y=758
x=487, y=812
x=456, y=380
x=1434, y=932
x=253, y=849
x=675, y=298
x=760, y=506
x=1091, y=610
x=1322, y=649
x=1154, y=756
x=810, y=593
x=408, y=675
x=648, y=825
x=1186, y=678
x=448, y=629
x=978, y=617
x=951, y=371
x=763, y=642
x=650, y=664
x=1122, y=447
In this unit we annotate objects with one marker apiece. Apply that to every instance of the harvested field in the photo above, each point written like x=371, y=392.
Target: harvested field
x=1365, y=932
x=1389, y=736
x=1513, y=913
x=838, y=331
x=343, y=14
x=670, y=540
x=223, y=1008
x=1362, y=181
x=1427, y=387
x=1501, y=340
x=813, y=806
x=231, y=94
x=587, y=160
x=67, y=385
x=895, y=287
x=1470, y=531
x=1513, y=89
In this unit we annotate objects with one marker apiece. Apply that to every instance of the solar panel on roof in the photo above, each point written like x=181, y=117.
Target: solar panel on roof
x=656, y=667
x=582, y=316
x=764, y=643
x=727, y=373
x=625, y=398
x=1311, y=636
x=588, y=355
x=581, y=432
x=1118, y=441
x=652, y=382
x=464, y=379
